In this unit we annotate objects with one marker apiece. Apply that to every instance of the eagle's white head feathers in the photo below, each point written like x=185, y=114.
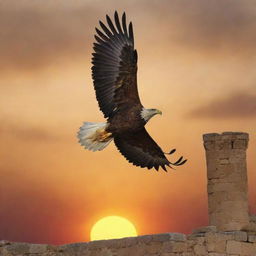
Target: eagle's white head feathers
x=146, y=114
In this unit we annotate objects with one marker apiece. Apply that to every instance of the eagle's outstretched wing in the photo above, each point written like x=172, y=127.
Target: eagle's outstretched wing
x=141, y=150
x=114, y=68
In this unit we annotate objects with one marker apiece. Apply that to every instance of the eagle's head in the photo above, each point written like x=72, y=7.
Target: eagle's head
x=147, y=113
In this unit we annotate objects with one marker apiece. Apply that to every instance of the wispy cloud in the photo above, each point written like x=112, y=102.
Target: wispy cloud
x=26, y=132
x=214, y=24
x=239, y=105
x=34, y=34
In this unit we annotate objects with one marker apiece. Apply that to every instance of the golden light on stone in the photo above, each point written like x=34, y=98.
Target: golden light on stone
x=112, y=227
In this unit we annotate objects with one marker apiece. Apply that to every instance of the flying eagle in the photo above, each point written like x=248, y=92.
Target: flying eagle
x=114, y=74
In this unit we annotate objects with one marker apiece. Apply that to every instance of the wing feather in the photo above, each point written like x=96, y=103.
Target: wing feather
x=113, y=29
x=104, y=37
x=118, y=23
x=124, y=24
x=114, y=68
x=131, y=32
x=105, y=29
x=141, y=150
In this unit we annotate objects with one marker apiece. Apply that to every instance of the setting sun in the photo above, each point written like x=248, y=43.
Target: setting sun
x=112, y=227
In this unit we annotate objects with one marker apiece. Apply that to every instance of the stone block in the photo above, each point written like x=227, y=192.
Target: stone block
x=179, y=247
x=234, y=247
x=177, y=237
x=200, y=250
x=94, y=244
x=105, y=252
x=145, y=239
x=4, y=252
x=205, y=229
x=130, y=241
x=17, y=248
x=167, y=246
x=195, y=241
x=216, y=242
x=38, y=248
x=161, y=237
x=234, y=135
x=240, y=143
x=126, y=251
x=154, y=247
x=221, y=187
x=248, y=249
x=251, y=227
x=237, y=196
x=210, y=136
x=4, y=242
x=252, y=238
x=209, y=145
x=190, y=245
x=253, y=218
x=240, y=236
x=219, y=247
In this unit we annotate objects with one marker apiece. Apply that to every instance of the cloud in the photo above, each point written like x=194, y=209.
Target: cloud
x=226, y=26
x=36, y=33
x=238, y=105
x=26, y=132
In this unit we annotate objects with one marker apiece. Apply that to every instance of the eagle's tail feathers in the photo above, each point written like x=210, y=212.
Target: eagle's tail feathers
x=93, y=136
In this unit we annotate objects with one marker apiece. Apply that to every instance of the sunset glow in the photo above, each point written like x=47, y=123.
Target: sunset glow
x=112, y=227
x=196, y=63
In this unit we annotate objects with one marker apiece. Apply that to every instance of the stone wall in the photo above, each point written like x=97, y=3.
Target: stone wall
x=204, y=241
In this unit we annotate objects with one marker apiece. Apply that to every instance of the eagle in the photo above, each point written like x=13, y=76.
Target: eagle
x=114, y=74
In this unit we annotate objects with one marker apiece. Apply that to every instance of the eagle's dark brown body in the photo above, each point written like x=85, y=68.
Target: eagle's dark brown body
x=128, y=120
x=114, y=73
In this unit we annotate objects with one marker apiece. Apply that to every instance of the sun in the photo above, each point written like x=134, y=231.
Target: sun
x=111, y=227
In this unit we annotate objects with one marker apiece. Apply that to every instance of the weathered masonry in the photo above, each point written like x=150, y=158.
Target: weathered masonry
x=227, y=180
x=231, y=231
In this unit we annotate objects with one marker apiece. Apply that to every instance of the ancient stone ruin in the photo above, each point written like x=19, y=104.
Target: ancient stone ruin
x=227, y=180
x=231, y=231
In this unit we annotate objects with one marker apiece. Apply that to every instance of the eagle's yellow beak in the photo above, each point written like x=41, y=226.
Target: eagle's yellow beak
x=159, y=112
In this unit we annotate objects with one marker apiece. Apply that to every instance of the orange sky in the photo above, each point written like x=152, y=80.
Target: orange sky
x=196, y=63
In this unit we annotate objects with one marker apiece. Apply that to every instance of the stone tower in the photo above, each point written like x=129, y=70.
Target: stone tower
x=227, y=180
